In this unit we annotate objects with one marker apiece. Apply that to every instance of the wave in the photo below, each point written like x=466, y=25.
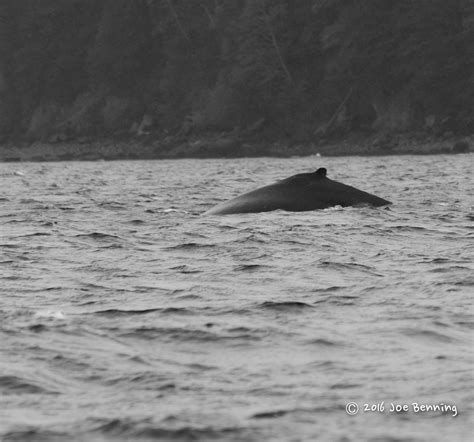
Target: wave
x=16, y=385
x=146, y=429
x=172, y=333
x=188, y=246
x=352, y=266
x=27, y=235
x=285, y=305
x=269, y=414
x=177, y=334
x=429, y=335
x=248, y=267
x=185, y=269
x=119, y=312
x=323, y=342
x=136, y=221
x=273, y=414
x=35, y=435
x=338, y=300
x=97, y=235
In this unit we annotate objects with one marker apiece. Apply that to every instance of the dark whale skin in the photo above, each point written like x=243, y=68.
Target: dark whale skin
x=302, y=192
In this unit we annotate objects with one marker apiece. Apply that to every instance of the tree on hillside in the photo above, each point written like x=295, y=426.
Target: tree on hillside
x=465, y=98
x=7, y=37
x=98, y=66
x=119, y=58
x=393, y=53
x=189, y=51
x=259, y=70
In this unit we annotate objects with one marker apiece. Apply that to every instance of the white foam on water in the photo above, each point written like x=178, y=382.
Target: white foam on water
x=53, y=314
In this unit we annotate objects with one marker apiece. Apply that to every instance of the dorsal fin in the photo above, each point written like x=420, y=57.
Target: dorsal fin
x=321, y=172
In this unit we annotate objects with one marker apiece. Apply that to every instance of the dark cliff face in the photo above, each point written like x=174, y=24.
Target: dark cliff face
x=300, y=69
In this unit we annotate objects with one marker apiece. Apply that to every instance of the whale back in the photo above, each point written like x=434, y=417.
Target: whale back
x=302, y=192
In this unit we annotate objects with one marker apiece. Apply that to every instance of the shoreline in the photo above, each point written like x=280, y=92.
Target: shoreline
x=226, y=145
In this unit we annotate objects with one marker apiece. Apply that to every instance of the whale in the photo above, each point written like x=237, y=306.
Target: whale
x=298, y=193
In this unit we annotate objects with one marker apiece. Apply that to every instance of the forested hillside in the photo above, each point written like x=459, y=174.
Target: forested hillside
x=298, y=69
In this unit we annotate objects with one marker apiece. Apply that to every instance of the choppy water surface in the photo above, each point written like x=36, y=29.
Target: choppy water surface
x=125, y=315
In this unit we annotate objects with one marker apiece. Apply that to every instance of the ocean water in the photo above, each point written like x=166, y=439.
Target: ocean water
x=125, y=315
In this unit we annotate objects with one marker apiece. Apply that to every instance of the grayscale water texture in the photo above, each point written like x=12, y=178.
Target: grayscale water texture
x=127, y=316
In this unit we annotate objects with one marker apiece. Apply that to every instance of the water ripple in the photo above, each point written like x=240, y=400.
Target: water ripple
x=125, y=315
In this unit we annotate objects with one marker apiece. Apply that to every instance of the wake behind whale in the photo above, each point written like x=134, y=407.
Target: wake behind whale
x=302, y=192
